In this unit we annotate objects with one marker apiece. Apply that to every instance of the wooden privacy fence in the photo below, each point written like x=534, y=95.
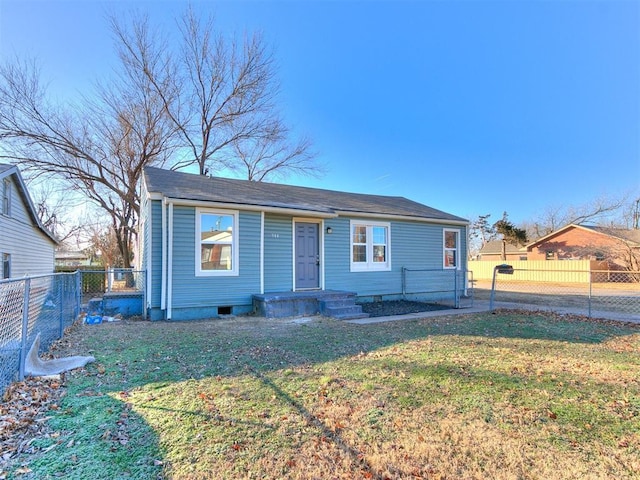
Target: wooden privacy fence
x=551, y=271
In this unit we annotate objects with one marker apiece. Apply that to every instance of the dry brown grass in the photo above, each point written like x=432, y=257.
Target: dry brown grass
x=514, y=396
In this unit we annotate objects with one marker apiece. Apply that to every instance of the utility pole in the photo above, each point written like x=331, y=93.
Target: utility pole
x=636, y=215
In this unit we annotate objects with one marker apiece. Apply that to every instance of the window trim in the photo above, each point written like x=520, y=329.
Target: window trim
x=444, y=248
x=6, y=263
x=370, y=265
x=235, y=254
x=6, y=197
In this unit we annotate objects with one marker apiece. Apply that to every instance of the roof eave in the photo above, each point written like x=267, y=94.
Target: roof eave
x=24, y=193
x=301, y=211
x=247, y=207
x=414, y=218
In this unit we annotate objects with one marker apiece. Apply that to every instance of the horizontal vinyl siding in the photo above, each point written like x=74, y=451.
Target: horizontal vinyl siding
x=338, y=263
x=190, y=291
x=414, y=245
x=32, y=252
x=278, y=256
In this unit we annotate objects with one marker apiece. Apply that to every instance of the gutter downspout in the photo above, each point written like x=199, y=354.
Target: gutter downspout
x=163, y=231
x=170, y=262
x=261, y=253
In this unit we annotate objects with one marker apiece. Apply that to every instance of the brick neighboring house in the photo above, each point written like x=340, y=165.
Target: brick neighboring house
x=618, y=249
x=492, y=251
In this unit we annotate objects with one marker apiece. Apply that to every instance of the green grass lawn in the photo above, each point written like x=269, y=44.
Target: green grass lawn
x=502, y=396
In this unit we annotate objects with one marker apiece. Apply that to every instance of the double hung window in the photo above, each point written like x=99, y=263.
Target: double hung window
x=216, y=242
x=451, y=240
x=5, y=208
x=6, y=265
x=370, y=246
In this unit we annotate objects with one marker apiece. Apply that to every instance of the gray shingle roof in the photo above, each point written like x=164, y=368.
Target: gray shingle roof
x=495, y=247
x=188, y=186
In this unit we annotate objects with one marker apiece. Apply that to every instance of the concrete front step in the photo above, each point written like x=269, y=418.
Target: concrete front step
x=342, y=309
x=332, y=303
x=350, y=316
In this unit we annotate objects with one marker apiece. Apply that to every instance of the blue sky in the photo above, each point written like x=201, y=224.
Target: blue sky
x=472, y=107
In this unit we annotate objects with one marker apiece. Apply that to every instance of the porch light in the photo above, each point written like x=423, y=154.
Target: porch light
x=329, y=230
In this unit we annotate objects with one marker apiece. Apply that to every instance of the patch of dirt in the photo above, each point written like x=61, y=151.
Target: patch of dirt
x=399, y=307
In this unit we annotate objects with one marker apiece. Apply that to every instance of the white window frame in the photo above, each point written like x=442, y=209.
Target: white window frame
x=370, y=265
x=235, y=254
x=6, y=198
x=6, y=264
x=445, y=249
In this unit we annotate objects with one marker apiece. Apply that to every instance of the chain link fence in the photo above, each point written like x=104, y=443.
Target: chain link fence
x=594, y=293
x=46, y=304
x=95, y=283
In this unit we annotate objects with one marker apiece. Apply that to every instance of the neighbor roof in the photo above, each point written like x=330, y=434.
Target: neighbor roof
x=620, y=233
x=246, y=193
x=495, y=247
x=8, y=170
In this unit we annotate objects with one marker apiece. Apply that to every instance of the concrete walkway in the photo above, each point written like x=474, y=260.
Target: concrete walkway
x=482, y=306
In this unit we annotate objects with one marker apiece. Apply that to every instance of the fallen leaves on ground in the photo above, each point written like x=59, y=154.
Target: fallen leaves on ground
x=23, y=415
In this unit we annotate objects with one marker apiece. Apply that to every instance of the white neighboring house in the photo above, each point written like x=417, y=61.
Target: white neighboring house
x=26, y=247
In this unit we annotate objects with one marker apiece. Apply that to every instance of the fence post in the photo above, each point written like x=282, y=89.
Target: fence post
x=590, y=292
x=493, y=289
x=60, y=302
x=78, y=295
x=25, y=327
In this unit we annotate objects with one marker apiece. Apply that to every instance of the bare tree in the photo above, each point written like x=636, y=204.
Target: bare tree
x=631, y=214
x=221, y=96
x=271, y=155
x=602, y=210
x=212, y=102
x=103, y=245
x=480, y=233
x=53, y=207
x=99, y=148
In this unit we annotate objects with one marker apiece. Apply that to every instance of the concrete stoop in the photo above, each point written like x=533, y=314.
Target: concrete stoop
x=335, y=304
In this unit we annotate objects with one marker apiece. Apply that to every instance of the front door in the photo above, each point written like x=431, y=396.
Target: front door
x=307, y=256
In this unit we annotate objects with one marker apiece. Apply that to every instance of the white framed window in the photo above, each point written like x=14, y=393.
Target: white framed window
x=6, y=197
x=451, y=248
x=370, y=246
x=216, y=242
x=6, y=265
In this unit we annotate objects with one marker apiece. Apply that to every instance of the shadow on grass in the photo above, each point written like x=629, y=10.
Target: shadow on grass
x=355, y=457
x=98, y=436
x=102, y=437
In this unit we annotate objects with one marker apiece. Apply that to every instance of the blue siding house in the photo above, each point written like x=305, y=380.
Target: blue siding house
x=26, y=247
x=211, y=246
